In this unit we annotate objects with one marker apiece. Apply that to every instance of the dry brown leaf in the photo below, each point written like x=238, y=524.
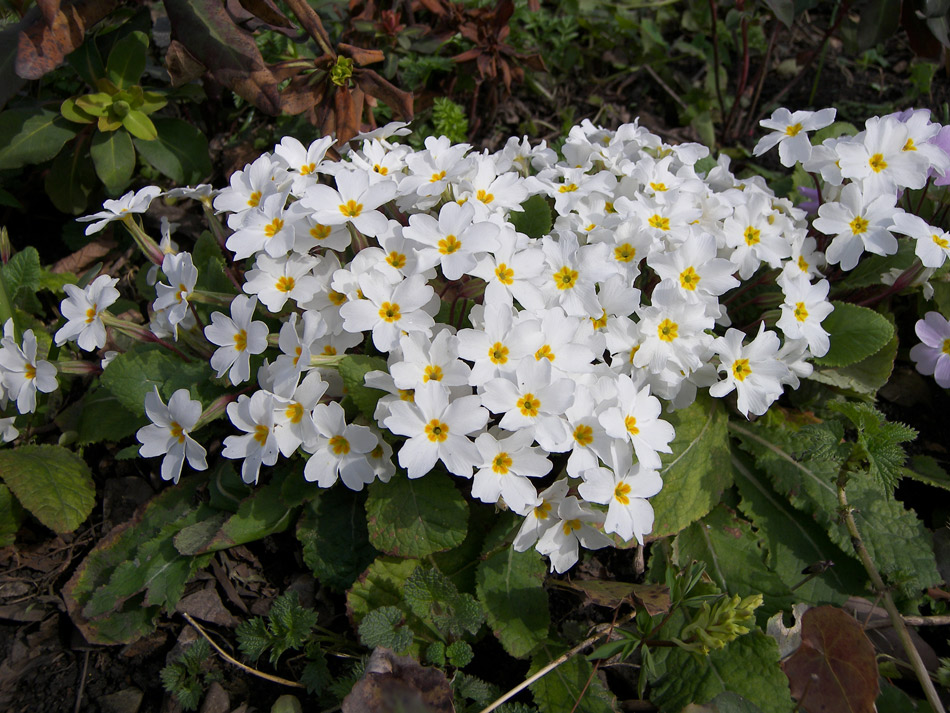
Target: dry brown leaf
x=399, y=683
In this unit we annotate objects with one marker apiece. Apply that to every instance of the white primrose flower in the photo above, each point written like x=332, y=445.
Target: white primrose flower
x=250, y=186
x=500, y=343
x=423, y=361
x=754, y=371
x=297, y=343
x=860, y=220
x=269, y=227
x=754, y=238
x=877, y=158
x=636, y=419
x=454, y=241
x=540, y=518
x=695, y=269
x=504, y=467
x=932, y=244
x=356, y=202
x=806, y=305
x=624, y=490
x=302, y=161
x=573, y=529
x=255, y=416
x=173, y=297
x=572, y=272
x=276, y=280
x=119, y=209
x=169, y=433
x=238, y=337
x=790, y=132
x=437, y=430
x=295, y=403
x=673, y=332
x=8, y=431
x=341, y=450
x=389, y=310
x=23, y=374
x=83, y=309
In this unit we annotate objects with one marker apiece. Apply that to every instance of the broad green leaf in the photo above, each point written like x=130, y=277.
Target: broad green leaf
x=747, y=666
x=103, y=418
x=384, y=627
x=71, y=111
x=332, y=530
x=54, y=281
x=414, y=518
x=926, y=469
x=11, y=515
x=133, y=374
x=30, y=136
x=569, y=686
x=180, y=151
x=70, y=180
x=784, y=10
x=52, y=482
x=865, y=377
x=87, y=61
x=22, y=272
x=869, y=270
x=734, y=557
x=209, y=260
x=856, y=333
x=114, y=158
x=897, y=541
x=353, y=369
x=139, y=125
x=534, y=220
x=459, y=564
x=795, y=542
x=126, y=61
x=509, y=586
x=698, y=469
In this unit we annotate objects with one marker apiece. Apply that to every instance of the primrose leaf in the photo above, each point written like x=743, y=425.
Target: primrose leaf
x=353, y=368
x=384, y=627
x=856, y=333
x=178, y=149
x=52, y=482
x=11, y=515
x=133, y=374
x=535, y=219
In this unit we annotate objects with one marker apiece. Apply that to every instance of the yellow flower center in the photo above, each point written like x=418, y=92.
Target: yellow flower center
x=740, y=369
x=389, y=312
x=29, y=371
x=260, y=434
x=659, y=222
x=858, y=225
x=625, y=252
x=877, y=163
x=274, y=227
x=541, y=512
x=433, y=372
x=298, y=351
x=351, y=209
x=180, y=295
x=449, y=244
x=407, y=395
x=91, y=314
x=336, y=298
x=285, y=283
x=254, y=199
x=565, y=278
x=567, y=188
x=396, y=260
x=570, y=525
x=339, y=445
x=484, y=196
x=504, y=274
x=307, y=169
x=752, y=236
x=801, y=313
x=544, y=353
x=609, y=207
x=689, y=279
x=329, y=350
x=436, y=177
x=501, y=463
x=630, y=423
x=658, y=187
x=498, y=353
x=178, y=433
x=529, y=405
x=802, y=264
x=599, y=322
x=941, y=242
x=294, y=412
x=320, y=232
x=667, y=330
x=240, y=340
x=946, y=346
x=584, y=435
x=620, y=493
x=909, y=145
x=793, y=129
x=437, y=431
x=381, y=170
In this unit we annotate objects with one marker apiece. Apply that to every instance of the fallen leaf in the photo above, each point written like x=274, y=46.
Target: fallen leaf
x=787, y=638
x=834, y=670
x=399, y=683
x=206, y=605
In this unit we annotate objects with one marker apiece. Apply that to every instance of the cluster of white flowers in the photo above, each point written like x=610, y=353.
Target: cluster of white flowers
x=577, y=340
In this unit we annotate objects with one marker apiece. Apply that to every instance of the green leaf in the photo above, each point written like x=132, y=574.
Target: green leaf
x=210, y=262
x=926, y=469
x=54, y=281
x=509, y=586
x=866, y=377
x=87, y=62
x=795, y=543
x=254, y=638
x=459, y=653
x=698, y=469
x=562, y=688
x=414, y=518
x=734, y=558
x=70, y=180
x=103, y=418
x=432, y=597
x=856, y=333
x=353, y=369
x=381, y=586
x=139, y=125
x=133, y=374
x=748, y=666
x=11, y=515
x=897, y=541
x=180, y=151
x=535, y=219
x=22, y=273
x=29, y=136
x=880, y=440
x=53, y=483
x=332, y=530
x=126, y=61
x=784, y=10
x=71, y=111
x=289, y=623
x=384, y=627
x=114, y=158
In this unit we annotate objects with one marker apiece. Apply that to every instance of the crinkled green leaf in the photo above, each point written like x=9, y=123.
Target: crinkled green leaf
x=414, y=518
x=926, y=469
x=332, y=530
x=381, y=586
x=22, y=272
x=133, y=374
x=52, y=482
x=29, y=136
x=432, y=596
x=748, y=666
x=384, y=627
x=562, y=688
x=353, y=369
x=289, y=623
x=254, y=638
x=734, y=558
x=880, y=439
x=698, y=469
x=535, y=219
x=856, y=333
x=509, y=586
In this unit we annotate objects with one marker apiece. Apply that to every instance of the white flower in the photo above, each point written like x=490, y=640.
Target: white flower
x=932, y=356
x=453, y=241
x=355, y=202
x=542, y=516
x=932, y=244
x=341, y=450
x=131, y=202
x=7, y=430
x=389, y=310
x=83, y=308
x=806, y=305
x=625, y=492
x=23, y=374
x=437, y=430
x=504, y=468
x=173, y=297
x=255, y=416
x=168, y=434
x=790, y=133
x=574, y=528
x=860, y=220
x=636, y=419
x=754, y=371
x=238, y=337
x=275, y=280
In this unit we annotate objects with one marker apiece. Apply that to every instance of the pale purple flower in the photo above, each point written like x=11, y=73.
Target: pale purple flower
x=932, y=356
